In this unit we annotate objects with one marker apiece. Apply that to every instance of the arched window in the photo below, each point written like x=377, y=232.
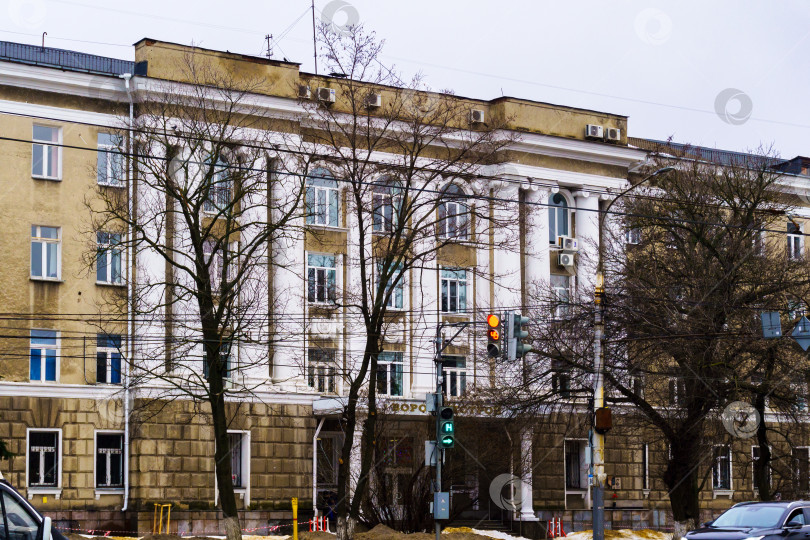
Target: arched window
x=558, y=217
x=219, y=189
x=453, y=214
x=322, y=198
x=386, y=203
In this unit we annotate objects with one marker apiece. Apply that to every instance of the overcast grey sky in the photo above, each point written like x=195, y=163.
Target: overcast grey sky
x=670, y=66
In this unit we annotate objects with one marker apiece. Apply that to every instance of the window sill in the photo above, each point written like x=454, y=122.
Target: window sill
x=32, y=491
x=722, y=493
x=46, y=280
x=120, y=185
x=108, y=284
x=109, y=491
x=42, y=382
x=327, y=227
x=48, y=178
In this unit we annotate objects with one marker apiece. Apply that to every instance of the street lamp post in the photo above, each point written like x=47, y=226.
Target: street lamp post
x=598, y=439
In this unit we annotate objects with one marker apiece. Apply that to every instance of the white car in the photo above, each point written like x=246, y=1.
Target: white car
x=21, y=521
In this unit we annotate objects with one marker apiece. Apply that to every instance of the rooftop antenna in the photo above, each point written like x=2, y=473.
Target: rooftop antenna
x=314, y=41
x=269, y=53
x=43, y=39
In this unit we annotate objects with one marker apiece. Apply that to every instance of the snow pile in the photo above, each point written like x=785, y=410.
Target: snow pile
x=497, y=534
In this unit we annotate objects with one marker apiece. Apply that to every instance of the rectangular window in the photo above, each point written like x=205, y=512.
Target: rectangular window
x=44, y=353
x=573, y=465
x=454, y=376
x=561, y=378
x=395, y=293
x=454, y=290
x=43, y=459
x=215, y=257
x=237, y=460
x=110, y=161
x=645, y=466
x=795, y=241
x=47, y=152
x=677, y=390
x=389, y=373
x=632, y=236
x=321, y=278
x=322, y=369
x=225, y=358
x=453, y=220
x=561, y=301
x=721, y=474
x=220, y=189
x=801, y=468
x=109, y=460
x=45, y=252
x=108, y=359
x=108, y=258
x=322, y=203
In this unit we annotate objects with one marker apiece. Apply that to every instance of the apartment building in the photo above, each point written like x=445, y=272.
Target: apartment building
x=93, y=450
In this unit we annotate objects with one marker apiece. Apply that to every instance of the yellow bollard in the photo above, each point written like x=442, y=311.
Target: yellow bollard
x=295, y=517
x=157, y=522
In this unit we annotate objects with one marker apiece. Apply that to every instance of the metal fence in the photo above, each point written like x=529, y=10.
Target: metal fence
x=60, y=58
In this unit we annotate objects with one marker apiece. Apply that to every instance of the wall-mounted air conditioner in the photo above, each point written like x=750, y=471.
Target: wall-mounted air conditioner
x=374, y=101
x=326, y=94
x=613, y=134
x=477, y=116
x=304, y=92
x=566, y=260
x=593, y=131
x=566, y=243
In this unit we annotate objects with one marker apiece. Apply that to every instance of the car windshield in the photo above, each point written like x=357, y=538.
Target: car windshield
x=750, y=516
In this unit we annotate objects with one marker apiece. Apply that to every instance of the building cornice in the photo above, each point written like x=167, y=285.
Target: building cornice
x=605, y=154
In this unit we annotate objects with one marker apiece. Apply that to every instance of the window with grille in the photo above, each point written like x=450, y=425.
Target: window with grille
x=237, y=456
x=43, y=459
x=573, y=474
x=109, y=460
x=322, y=369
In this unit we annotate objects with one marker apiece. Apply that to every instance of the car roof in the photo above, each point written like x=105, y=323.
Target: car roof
x=783, y=504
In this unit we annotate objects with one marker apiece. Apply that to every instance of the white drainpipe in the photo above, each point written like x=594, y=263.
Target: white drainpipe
x=315, y=468
x=131, y=319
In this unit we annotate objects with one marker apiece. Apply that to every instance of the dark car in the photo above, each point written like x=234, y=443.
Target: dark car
x=758, y=521
x=21, y=521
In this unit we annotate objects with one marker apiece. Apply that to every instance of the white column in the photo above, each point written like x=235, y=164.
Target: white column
x=507, y=249
x=587, y=229
x=526, y=469
x=537, y=245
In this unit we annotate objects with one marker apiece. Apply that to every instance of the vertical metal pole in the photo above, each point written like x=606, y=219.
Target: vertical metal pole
x=314, y=41
x=439, y=450
x=598, y=438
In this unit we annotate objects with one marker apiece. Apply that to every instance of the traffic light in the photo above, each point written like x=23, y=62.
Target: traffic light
x=447, y=429
x=515, y=334
x=494, y=335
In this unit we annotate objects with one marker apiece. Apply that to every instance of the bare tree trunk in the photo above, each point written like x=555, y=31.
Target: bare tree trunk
x=345, y=525
x=369, y=439
x=762, y=465
x=681, y=479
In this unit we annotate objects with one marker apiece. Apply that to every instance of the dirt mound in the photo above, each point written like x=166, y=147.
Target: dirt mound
x=315, y=535
x=381, y=532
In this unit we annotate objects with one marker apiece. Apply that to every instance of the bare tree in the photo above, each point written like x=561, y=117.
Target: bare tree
x=199, y=221
x=681, y=304
x=401, y=164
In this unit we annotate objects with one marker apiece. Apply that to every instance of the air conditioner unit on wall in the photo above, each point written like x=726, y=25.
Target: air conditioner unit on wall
x=326, y=94
x=593, y=131
x=566, y=243
x=613, y=134
x=374, y=100
x=304, y=92
x=477, y=116
x=566, y=260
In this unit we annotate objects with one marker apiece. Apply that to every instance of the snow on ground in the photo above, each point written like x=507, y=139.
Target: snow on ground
x=497, y=534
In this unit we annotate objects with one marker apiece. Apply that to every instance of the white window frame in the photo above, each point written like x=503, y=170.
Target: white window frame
x=243, y=492
x=632, y=236
x=56, y=491
x=459, y=282
x=109, y=351
x=386, y=193
x=716, y=461
x=325, y=218
x=391, y=302
x=562, y=309
x=216, y=261
x=45, y=159
x=112, y=152
x=107, y=251
x=221, y=183
x=327, y=369
x=461, y=374
x=327, y=270
x=56, y=348
x=36, y=236
x=389, y=363
x=795, y=242
x=453, y=208
x=553, y=211
x=102, y=490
